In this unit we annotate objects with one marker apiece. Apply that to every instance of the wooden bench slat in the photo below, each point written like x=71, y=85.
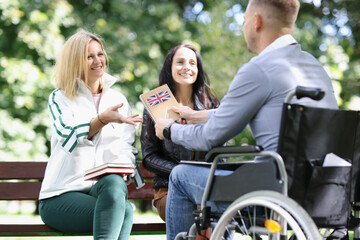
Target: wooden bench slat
x=145, y=173
x=146, y=192
x=19, y=190
x=27, y=230
x=22, y=181
x=36, y=170
x=43, y=230
x=22, y=170
x=30, y=191
x=143, y=228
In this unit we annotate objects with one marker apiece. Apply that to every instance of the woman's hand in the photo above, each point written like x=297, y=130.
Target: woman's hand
x=112, y=114
x=125, y=177
x=160, y=124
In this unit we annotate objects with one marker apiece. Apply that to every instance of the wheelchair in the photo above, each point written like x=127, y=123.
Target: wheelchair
x=291, y=194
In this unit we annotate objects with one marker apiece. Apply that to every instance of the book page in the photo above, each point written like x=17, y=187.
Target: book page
x=332, y=160
x=108, y=168
x=158, y=103
x=111, y=165
x=95, y=175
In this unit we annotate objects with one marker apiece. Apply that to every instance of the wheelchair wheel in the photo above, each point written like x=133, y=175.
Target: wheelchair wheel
x=265, y=215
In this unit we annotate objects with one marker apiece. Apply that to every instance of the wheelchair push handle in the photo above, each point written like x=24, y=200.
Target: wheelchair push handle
x=300, y=92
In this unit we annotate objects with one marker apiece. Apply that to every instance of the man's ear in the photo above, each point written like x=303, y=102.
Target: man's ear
x=258, y=21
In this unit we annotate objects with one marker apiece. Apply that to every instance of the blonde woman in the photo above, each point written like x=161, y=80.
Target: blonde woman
x=91, y=124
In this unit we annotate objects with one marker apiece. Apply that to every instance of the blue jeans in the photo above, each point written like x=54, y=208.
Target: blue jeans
x=104, y=211
x=186, y=187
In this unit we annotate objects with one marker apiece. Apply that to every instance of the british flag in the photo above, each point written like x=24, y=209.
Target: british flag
x=158, y=98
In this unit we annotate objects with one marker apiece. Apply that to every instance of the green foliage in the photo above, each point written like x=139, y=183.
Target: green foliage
x=330, y=31
x=30, y=40
x=137, y=36
x=224, y=50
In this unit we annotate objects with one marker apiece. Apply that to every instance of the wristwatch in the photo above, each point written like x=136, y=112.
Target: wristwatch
x=166, y=131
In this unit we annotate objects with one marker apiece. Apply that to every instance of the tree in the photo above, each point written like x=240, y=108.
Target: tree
x=330, y=31
x=30, y=40
x=138, y=34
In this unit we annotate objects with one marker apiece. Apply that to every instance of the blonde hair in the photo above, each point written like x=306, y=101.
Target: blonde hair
x=72, y=63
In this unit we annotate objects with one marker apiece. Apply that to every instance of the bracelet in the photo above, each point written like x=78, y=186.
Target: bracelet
x=101, y=121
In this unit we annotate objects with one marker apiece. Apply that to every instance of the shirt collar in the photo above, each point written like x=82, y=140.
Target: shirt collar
x=279, y=43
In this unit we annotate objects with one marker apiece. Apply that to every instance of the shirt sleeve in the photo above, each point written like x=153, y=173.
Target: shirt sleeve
x=69, y=130
x=247, y=93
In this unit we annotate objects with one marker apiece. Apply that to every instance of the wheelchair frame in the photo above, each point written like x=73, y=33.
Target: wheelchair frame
x=252, y=151
x=217, y=153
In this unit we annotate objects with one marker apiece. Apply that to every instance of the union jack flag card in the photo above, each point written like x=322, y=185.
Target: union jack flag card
x=158, y=103
x=158, y=98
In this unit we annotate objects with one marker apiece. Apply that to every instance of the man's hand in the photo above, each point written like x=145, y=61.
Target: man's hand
x=160, y=125
x=190, y=116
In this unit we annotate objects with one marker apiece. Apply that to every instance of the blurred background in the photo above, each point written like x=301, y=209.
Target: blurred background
x=138, y=34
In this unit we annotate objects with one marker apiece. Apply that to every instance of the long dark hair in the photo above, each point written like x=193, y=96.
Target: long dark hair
x=201, y=88
x=202, y=96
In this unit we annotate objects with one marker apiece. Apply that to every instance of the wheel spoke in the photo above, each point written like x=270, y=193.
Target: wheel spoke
x=265, y=213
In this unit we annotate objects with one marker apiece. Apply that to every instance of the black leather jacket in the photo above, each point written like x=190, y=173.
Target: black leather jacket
x=161, y=156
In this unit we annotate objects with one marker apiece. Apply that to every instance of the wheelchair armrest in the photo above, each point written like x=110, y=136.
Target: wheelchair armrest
x=210, y=156
x=254, y=150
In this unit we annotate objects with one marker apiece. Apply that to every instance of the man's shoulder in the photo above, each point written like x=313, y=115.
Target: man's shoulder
x=251, y=69
x=283, y=56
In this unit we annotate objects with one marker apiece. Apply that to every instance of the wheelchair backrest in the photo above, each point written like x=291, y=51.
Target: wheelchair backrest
x=307, y=135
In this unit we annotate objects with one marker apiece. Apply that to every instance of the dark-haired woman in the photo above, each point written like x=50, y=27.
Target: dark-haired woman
x=184, y=73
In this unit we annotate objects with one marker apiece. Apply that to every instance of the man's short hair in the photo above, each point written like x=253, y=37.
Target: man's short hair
x=284, y=10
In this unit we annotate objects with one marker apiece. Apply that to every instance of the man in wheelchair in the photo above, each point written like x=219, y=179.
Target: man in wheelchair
x=255, y=97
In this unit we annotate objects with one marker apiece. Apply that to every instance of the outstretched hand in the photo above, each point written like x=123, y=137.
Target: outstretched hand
x=112, y=114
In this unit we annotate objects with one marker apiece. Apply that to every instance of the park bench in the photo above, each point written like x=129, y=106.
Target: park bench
x=22, y=180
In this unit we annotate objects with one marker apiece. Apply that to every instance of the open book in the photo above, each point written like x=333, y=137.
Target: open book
x=107, y=168
x=158, y=103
